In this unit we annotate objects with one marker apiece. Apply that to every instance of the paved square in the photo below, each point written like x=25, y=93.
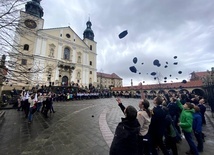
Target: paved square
x=83, y=127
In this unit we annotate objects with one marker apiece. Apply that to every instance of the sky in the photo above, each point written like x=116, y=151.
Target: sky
x=156, y=30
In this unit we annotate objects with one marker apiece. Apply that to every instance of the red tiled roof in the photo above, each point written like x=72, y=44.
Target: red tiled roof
x=110, y=76
x=201, y=74
x=189, y=84
x=198, y=75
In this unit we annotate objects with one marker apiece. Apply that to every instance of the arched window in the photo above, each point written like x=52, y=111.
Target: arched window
x=91, y=47
x=26, y=47
x=67, y=53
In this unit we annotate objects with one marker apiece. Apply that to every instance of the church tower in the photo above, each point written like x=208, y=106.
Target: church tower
x=25, y=38
x=32, y=17
x=88, y=38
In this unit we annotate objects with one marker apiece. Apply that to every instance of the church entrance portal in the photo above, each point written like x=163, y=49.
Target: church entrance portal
x=64, y=81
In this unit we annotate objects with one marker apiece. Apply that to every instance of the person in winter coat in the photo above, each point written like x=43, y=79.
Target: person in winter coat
x=202, y=107
x=157, y=127
x=174, y=112
x=197, y=128
x=125, y=141
x=186, y=122
x=144, y=118
x=171, y=134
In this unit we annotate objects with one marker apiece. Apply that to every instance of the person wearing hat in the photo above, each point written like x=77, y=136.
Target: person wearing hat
x=125, y=141
x=186, y=122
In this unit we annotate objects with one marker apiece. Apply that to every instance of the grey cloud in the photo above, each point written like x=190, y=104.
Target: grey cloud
x=156, y=30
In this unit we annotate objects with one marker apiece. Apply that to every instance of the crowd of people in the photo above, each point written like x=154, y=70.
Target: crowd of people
x=31, y=102
x=146, y=131
x=41, y=100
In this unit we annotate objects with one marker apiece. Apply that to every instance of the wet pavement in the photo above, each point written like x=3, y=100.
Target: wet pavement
x=83, y=127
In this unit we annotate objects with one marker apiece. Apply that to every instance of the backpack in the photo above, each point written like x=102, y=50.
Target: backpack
x=172, y=131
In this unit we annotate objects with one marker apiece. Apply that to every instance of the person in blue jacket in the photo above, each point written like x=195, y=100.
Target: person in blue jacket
x=197, y=128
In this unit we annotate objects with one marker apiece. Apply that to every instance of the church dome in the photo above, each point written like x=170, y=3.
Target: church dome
x=88, y=33
x=34, y=8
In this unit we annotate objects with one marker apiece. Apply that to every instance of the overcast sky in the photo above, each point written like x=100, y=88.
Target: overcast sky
x=156, y=30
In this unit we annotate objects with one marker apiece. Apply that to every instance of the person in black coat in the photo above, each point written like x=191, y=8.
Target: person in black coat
x=47, y=104
x=157, y=127
x=202, y=107
x=174, y=112
x=125, y=140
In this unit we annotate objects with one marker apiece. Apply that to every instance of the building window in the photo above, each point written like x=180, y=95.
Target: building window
x=68, y=35
x=66, y=53
x=24, y=62
x=90, y=72
x=91, y=47
x=90, y=63
x=26, y=47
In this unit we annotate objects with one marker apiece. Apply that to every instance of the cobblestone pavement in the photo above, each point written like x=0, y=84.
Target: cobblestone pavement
x=83, y=127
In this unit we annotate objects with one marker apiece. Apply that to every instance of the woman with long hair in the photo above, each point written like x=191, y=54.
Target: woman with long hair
x=144, y=118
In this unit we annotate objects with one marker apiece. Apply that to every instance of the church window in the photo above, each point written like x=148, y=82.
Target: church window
x=91, y=47
x=67, y=53
x=26, y=47
x=24, y=62
x=68, y=35
x=90, y=72
x=90, y=63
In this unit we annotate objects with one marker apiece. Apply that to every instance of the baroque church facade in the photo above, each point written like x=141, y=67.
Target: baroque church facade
x=61, y=55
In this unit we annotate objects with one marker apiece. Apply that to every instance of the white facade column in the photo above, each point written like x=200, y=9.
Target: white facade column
x=74, y=55
x=38, y=45
x=84, y=58
x=59, y=56
x=73, y=78
x=87, y=59
x=85, y=77
x=95, y=77
x=44, y=42
x=56, y=74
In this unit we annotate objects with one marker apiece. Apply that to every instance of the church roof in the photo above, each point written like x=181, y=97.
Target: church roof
x=110, y=76
x=65, y=28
